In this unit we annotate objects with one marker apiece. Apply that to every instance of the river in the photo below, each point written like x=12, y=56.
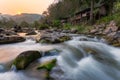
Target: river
x=91, y=59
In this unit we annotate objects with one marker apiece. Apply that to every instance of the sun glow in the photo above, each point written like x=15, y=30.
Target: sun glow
x=19, y=12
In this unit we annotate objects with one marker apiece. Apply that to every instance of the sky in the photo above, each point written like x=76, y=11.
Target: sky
x=13, y=7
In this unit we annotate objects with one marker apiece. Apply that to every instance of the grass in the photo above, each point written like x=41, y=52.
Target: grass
x=80, y=28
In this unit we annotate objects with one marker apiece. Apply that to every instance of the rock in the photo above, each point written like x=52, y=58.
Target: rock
x=9, y=33
x=66, y=31
x=93, y=31
x=10, y=39
x=25, y=58
x=61, y=39
x=113, y=39
x=51, y=52
x=54, y=38
x=47, y=65
x=31, y=33
x=1, y=30
x=74, y=30
x=111, y=28
x=83, y=39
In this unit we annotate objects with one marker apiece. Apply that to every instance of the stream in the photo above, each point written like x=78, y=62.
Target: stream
x=81, y=58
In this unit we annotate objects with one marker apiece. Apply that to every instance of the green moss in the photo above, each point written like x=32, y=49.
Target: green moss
x=64, y=38
x=47, y=65
x=25, y=58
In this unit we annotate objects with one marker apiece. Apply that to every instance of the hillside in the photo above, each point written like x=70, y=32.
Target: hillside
x=22, y=17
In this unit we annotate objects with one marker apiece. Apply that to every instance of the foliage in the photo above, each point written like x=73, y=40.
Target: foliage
x=107, y=19
x=66, y=8
x=43, y=26
x=7, y=23
x=80, y=28
x=117, y=6
x=56, y=23
x=67, y=26
x=36, y=24
x=24, y=24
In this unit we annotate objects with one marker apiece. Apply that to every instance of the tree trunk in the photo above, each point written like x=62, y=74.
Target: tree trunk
x=92, y=12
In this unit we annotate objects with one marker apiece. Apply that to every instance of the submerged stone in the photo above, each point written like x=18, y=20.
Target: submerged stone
x=52, y=52
x=25, y=58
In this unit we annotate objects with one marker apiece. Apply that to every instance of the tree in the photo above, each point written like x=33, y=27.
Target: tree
x=92, y=12
x=36, y=24
x=24, y=24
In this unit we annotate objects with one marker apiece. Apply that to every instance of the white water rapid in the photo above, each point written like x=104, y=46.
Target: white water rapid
x=82, y=58
x=86, y=60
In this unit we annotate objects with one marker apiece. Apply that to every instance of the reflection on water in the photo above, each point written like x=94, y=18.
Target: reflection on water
x=10, y=51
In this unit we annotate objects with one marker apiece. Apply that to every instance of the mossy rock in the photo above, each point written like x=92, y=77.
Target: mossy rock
x=47, y=65
x=56, y=40
x=25, y=58
x=116, y=44
x=64, y=38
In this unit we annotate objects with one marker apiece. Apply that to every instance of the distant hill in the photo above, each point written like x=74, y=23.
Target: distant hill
x=22, y=17
x=4, y=16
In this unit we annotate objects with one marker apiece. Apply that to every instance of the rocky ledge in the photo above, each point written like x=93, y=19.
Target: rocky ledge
x=9, y=36
x=110, y=32
x=10, y=39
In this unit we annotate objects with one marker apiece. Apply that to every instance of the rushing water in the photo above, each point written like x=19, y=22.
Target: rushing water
x=91, y=59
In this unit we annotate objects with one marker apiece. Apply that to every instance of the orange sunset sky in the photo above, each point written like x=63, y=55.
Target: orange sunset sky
x=24, y=6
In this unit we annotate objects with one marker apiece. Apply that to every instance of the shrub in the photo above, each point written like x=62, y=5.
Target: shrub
x=67, y=26
x=56, y=23
x=43, y=26
x=107, y=19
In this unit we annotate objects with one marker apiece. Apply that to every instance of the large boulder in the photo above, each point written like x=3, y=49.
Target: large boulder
x=10, y=39
x=54, y=38
x=51, y=40
x=25, y=58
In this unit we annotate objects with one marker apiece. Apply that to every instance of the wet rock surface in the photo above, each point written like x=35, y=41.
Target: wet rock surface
x=54, y=37
x=26, y=58
x=9, y=36
x=110, y=32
